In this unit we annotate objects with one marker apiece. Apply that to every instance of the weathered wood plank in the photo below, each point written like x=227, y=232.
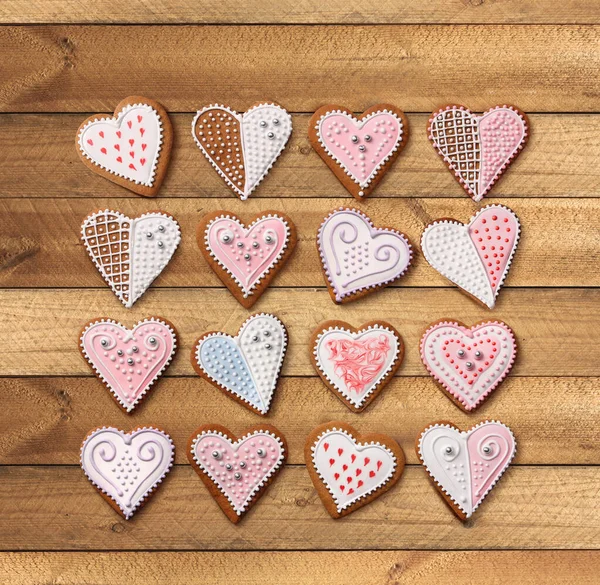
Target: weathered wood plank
x=302, y=12
x=555, y=328
x=533, y=507
x=39, y=159
x=91, y=68
x=303, y=568
x=40, y=240
x=46, y=419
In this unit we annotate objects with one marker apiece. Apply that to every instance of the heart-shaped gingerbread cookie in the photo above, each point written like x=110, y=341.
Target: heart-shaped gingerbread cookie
x=242, y=148
x=246, y=257
x=131, y=149
x=128, y=361
x=237, y=471
x=465, y=465
x=477, y=256
x=359, y=150
x=356, y=364
x=478, y=149
x=350, y=470
x=468, y=362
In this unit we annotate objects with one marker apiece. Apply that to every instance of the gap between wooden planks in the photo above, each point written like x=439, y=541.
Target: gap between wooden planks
x=418, y=68
x=46, y=419
x=39, y=159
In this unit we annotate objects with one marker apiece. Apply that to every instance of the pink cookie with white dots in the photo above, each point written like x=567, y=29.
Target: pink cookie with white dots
x=478, y=149
x=235, y=470
x=469, y=363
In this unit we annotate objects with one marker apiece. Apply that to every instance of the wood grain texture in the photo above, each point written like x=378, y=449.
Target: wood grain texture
x=46, y=419
x=553, y=327
x=299, y=11
x=40, y=160
x=40, y=240
x=303, y=568
x=90, y=68
x=535, y=507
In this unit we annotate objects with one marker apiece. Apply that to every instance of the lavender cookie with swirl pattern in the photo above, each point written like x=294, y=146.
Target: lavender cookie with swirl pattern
x=359, y=258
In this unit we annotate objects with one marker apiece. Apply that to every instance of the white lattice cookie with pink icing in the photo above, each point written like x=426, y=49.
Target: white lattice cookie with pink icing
x=358, y=149
x=246, y=256
x=358, y=258
x=127, y=468
x=469, y=363
x=130, y=252
x=237, y=471
x=478, y=148
x=465, y=466
x=349, y=469
x=356, y=363
x=475, y=256
x=131, y=149
x=129, y=361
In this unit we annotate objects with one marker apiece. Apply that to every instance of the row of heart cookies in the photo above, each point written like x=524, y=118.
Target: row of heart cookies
x=349, y=470
x=357, y=257
x=469, y=363
x=133, y=148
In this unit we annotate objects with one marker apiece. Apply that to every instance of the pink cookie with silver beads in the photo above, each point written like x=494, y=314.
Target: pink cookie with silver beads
x=478, y=149
x=237, y=471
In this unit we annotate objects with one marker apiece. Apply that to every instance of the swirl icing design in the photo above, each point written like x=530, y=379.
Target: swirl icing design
x=351, y=470
x=478, y=148
x=476, y=256
x=129, y=361
x=127, y=467
x=247, y=253
x=247, y=365
x=355, y=363
x=130, y=253
x=241, y=468
x=466, y=465
x=242, y=148
x=357, y=256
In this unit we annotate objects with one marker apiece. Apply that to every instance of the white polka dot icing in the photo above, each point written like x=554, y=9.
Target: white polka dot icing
x=466, y=465
x=478, y=149
x=476, y=256
x=130, y=253
x=127, y=467
x=247, y=365
x=242, y=147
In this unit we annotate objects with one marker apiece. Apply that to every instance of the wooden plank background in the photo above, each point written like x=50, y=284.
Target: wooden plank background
x=65, y=59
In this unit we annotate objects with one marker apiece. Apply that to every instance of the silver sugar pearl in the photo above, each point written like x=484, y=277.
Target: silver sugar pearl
x=161, y=228
x=270, y=135
x=268, y=239
x=266, y=333
x=354, y=139
x=237, y=476
x=448, y=450
x=261, y=452
x=362, y=148
x=255, y=338
x=486, y=449
x=469, y=365
x=152, y=340
x=478, y=355
x=149, y=235
x=226, y=238
x=160, y=244
x=246, y=256
x=368, y=138
x=243, y=464
x=461, y=353
x=268, y=346
x=104, y=342
x=119, y=352
x=130, y=361
x=240, y=244
x=216, y=454
x=255, y=244
x=276, y=121
x=228, y=467
x=263, y=124
x=134, y=349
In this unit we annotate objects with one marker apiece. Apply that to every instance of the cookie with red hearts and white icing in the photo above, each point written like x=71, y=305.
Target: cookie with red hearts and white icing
x=465, y=466
x=242, y=148
x=132, y=148
x=475, y=256
x=245, y=367
x=246, y=256
x=130, y=252
x=478, y=148
x=128, y=361
x=356, y=363
x=237, y=471
x=127, y=468
x=350, y=469
x=358, y=149
x=358, y=258
x=469, y=363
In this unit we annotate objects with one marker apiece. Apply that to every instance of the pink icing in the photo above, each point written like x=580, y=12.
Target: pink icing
x=486, y=468
x=264, y=241
x=252, y=460
x=102, y=343
x=337, y=130
x=359, y=362
x=494, y=232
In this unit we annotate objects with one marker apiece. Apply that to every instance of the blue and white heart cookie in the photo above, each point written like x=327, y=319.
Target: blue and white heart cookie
x=245, y=367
